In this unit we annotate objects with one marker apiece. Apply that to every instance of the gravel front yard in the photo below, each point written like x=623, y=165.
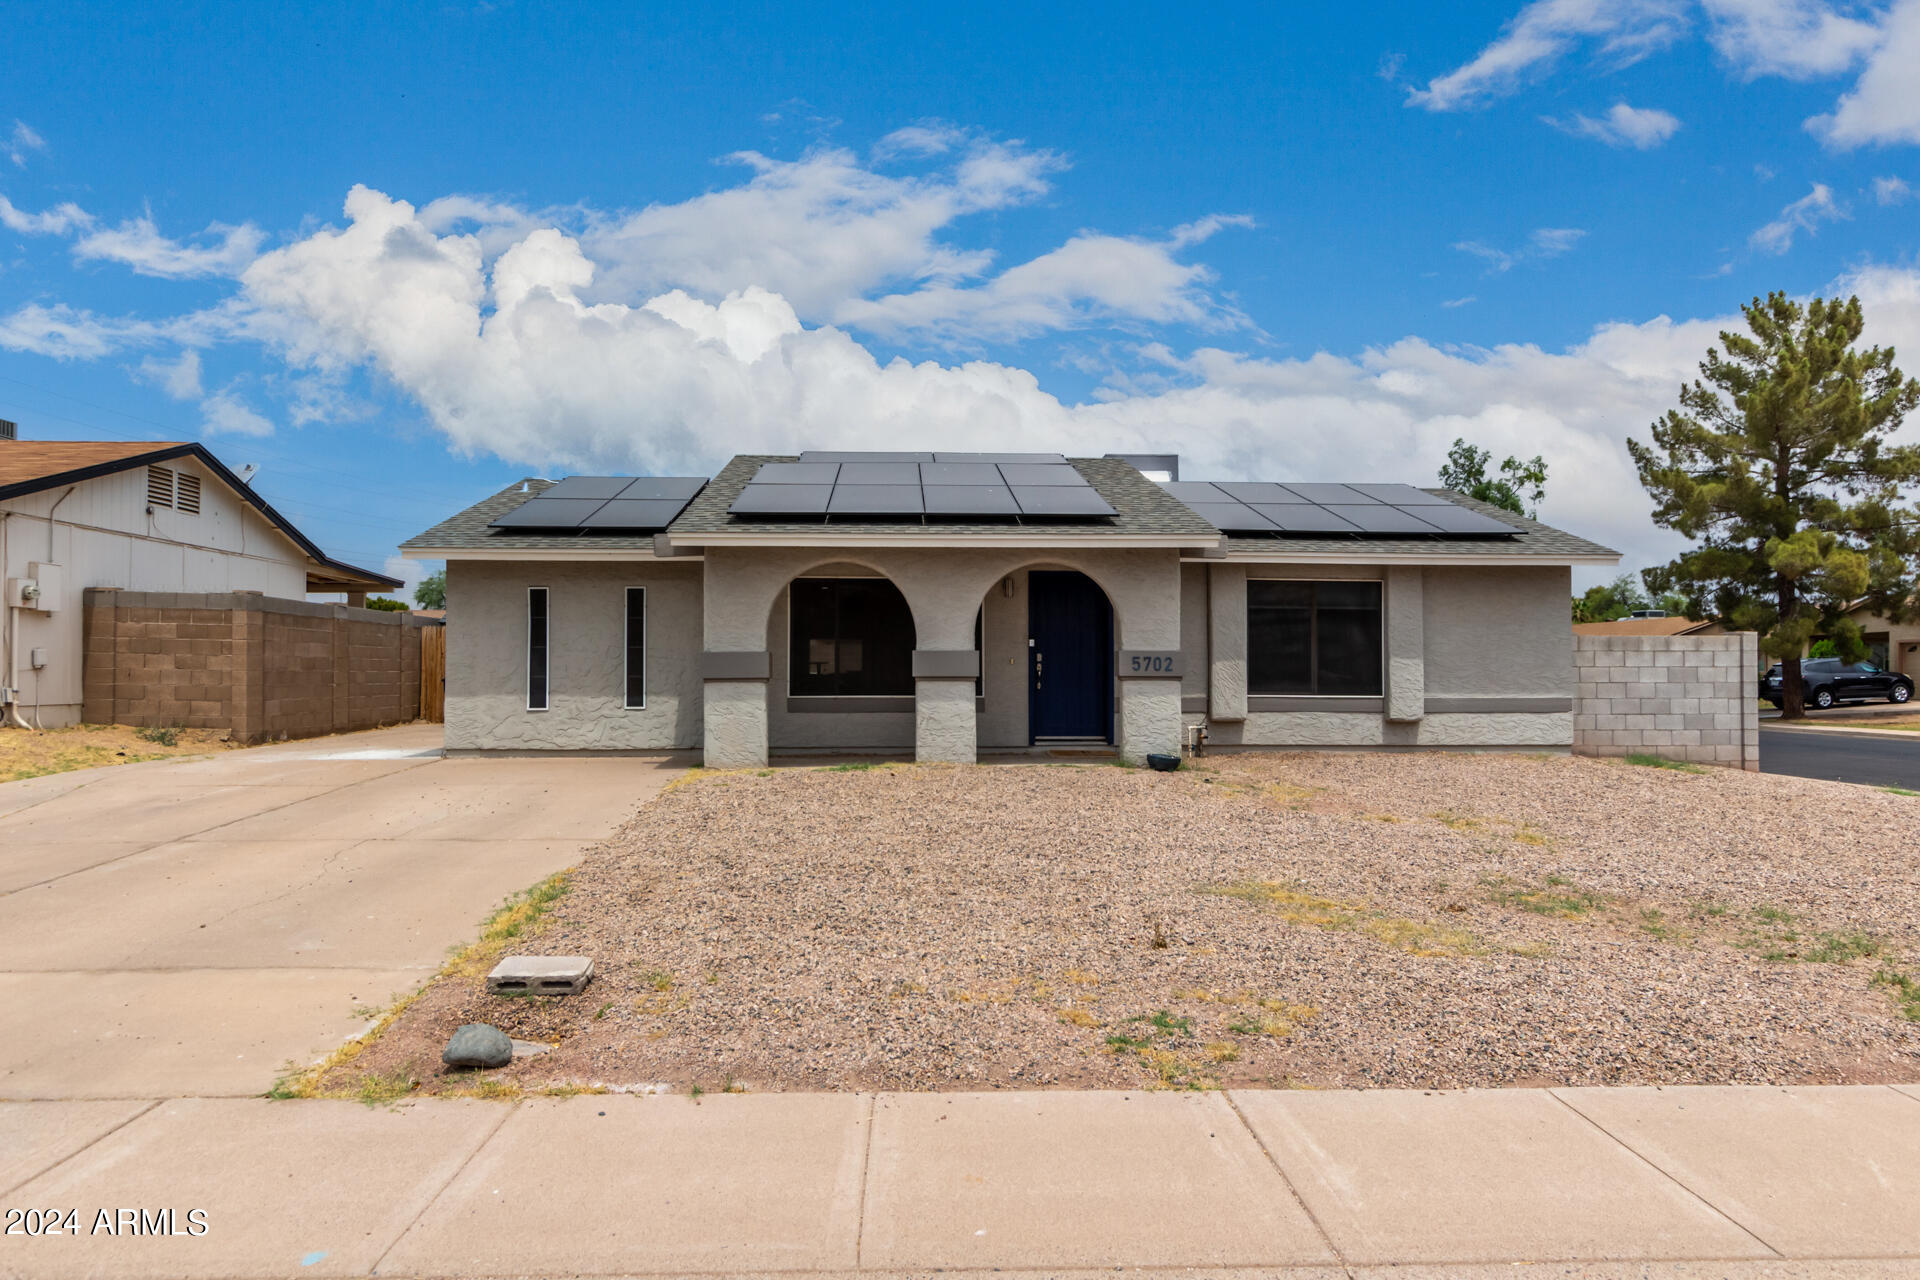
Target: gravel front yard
x=1291, y=919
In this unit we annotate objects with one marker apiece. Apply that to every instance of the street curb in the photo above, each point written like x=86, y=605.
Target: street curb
x=1911, y=735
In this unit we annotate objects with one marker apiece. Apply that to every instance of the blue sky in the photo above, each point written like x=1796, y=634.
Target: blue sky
x=402, y=259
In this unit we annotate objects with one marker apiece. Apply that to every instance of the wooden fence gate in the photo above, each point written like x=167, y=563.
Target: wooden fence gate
x=433, y=674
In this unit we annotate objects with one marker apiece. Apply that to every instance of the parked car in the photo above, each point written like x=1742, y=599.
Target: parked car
x=1825, y=681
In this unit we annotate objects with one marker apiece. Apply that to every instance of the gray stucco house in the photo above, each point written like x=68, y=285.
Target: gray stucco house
x=946, y=604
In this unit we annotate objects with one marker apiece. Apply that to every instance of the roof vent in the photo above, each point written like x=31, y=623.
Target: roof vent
x=8, y=431
x=187, y=493
x=1161, y=468
x=159, y=486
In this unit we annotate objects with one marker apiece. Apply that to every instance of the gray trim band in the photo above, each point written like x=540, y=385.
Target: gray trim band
x=946, y=664
x=1154, y=664
x=749, y=665
x=1498, y=706
x=1192, y=702
x=1259, y=702
x=848, y=706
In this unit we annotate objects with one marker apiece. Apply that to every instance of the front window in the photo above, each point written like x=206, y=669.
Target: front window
x=1314, y=638
x=536, y=648
x=851, y=637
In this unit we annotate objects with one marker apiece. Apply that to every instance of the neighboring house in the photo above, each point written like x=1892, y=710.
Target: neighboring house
x=1893, y=646
x=136, y=516
x=939, y=605
x=1659, y=626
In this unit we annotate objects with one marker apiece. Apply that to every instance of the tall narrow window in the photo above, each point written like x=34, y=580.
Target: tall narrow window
x=636, y=648
x=536, y=648
x=1314, y=638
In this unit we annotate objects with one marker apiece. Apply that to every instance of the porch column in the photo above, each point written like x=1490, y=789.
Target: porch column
x=1406, y=643
x=1150, y=721
x=944, y=725
x=734, y=708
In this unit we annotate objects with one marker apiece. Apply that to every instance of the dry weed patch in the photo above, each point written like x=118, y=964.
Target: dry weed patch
x=1415, y=937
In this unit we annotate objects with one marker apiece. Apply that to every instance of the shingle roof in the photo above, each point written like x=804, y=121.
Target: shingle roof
x=1143, y=509
x=1532, y=539
x=468, y=529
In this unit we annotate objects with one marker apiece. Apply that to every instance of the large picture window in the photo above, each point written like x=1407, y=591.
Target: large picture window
x=1314, y=638
x=636, y=648
x=851, y=638
x=536, y=648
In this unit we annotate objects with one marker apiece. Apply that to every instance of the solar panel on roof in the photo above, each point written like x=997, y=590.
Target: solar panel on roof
x=1234, y=517
x=969, y=500
x=1328, y=494
x=1401, y=495
x=1060, y=500
x=683, y=488
x=1257, y=491
x=1378, y=518
x=795, y=473
x=828, y=455
x=548, y=513
x=879, y=473
x=634, y=513
x=1027, y=473
x=602, y=487
x=974, y=473
x=876, y=499
x=782, y=500
x=1055, y=458
x=1453, y=518
x=1301, y=517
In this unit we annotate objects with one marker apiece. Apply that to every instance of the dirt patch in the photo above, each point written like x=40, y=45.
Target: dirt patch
x=1297, y=919
x=32, y=753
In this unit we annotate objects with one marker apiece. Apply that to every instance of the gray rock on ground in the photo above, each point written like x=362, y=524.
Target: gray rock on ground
x=478, y=1045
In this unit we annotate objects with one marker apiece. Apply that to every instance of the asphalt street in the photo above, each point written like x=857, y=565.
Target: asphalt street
x=1870, y=759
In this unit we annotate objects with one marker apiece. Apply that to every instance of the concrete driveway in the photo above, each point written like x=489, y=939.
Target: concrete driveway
x=191, y=928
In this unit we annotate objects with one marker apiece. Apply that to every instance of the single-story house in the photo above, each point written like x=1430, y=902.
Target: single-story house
x=937, y=605
x=137, y=516
x=1651, y=625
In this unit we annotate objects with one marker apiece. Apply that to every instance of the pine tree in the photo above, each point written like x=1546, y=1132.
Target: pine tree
x=1778, y=465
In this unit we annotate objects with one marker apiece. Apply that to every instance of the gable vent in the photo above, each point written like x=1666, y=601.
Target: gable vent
x=187, y=492
x=159, y=486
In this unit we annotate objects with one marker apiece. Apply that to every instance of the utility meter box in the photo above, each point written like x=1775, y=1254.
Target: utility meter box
x=23, y=593
x=53, y=586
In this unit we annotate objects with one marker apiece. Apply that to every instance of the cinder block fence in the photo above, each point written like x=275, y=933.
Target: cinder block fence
x=261, y=667
x=1689, y=698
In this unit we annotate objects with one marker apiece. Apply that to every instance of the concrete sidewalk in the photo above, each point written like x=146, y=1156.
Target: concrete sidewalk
x=1618, y=1182
x=192, y=927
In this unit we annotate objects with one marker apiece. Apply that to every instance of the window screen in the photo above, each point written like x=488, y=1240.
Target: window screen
x=851, y=637
x=636, y=647
x=1314, y=638
x=536, y=648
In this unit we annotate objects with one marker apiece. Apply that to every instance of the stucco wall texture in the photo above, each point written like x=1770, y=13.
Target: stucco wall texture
x=1475, y=657
x=1686, y=698
x=586, y=602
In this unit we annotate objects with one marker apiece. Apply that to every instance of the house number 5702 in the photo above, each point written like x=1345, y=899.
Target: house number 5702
x=1145, y=662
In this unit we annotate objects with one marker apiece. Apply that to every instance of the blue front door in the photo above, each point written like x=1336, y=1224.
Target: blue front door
x=1070, y=659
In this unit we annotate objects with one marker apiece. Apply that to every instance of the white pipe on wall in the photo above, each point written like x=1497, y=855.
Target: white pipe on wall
x=10, y=631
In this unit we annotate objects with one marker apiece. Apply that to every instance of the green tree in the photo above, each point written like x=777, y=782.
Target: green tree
x=1778, y=466
x=431, y=593
x=386, y=604
x=1609, y=601
x=1519, y=487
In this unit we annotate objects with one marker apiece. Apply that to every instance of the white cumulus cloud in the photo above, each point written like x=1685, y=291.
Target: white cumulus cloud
x=1805, y=214
x=138, y=243
x=1544, y=32
x=1641, y=128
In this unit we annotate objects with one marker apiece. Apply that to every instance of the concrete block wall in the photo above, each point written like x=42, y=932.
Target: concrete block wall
x=1686, y=698
x=260, y=667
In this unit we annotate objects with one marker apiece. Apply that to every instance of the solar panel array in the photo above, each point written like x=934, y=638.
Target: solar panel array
x=1377, y=509
x=873, y=485
x=605, y=504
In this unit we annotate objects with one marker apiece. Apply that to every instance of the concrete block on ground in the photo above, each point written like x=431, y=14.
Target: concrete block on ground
x=541, y=975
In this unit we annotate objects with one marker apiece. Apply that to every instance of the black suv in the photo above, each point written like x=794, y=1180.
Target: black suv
x=1825, y=681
